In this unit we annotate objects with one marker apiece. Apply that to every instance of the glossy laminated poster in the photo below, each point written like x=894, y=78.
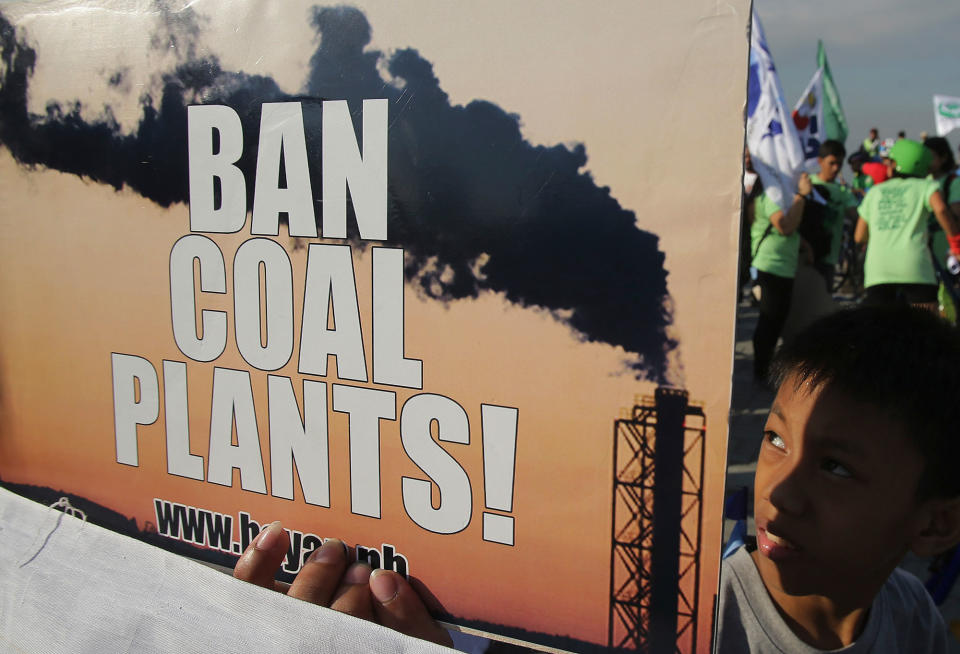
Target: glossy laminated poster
x=453, y=282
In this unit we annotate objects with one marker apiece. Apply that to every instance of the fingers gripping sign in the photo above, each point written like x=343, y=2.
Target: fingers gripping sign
x=318, y=581
x=329, y=579
x=398, y=606
x=352, y=595
x=259, y=564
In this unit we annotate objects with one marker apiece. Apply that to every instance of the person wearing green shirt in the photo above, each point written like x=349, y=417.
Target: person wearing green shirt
x=943, y=169
x=871, y=144
x=893, y=222
x=861, y=184
x=841, y=206
x=861, y=181
x=775, y=248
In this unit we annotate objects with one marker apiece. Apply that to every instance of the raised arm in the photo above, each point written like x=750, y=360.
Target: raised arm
x=787, y=222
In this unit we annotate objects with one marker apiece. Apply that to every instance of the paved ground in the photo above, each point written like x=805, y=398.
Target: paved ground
x=748, y=412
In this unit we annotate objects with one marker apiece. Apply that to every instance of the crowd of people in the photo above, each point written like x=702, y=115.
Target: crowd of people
x=893, y=229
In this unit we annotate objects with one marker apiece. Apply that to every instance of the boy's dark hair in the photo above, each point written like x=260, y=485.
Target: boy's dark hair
x=858, y=158
x=833, y=147
x=941, y=146
x=902, y=360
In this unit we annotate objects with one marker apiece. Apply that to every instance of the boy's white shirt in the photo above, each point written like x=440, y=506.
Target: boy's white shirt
x=903, y=618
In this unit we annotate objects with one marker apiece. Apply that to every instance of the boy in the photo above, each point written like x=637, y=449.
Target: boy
x=893, y=223
x=841, y=205
x=855, y=469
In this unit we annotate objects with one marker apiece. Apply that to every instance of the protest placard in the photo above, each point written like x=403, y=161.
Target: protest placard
x=453, y=283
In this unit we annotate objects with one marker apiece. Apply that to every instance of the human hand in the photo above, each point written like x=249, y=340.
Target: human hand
x=329, y=579
x=804, y=185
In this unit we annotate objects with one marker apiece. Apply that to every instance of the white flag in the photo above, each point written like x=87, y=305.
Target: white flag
x=946, y=112
x=808, y=119
x=771, y=136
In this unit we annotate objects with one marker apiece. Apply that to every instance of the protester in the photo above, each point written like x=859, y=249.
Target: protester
x=943, y=166
x=752, y=188
x=775, y=248
x=855, y=469
x=841, y=206
x=893, y=221
x=871, y=144
x=943, y=170
x=861, y=181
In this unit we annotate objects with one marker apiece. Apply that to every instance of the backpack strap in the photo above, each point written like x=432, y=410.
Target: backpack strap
x=766, y=233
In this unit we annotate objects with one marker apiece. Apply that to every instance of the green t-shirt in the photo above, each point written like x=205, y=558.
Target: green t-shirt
x=953, y=194
x=939, y=237
x=841, y=199
x=777, y=254
x=897, y=212
x=862, y=182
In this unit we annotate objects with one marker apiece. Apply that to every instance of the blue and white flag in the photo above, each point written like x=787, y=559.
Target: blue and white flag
x=771, y=136
x=808, y=119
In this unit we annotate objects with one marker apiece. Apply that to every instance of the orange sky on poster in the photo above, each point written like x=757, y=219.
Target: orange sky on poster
x=94, y=280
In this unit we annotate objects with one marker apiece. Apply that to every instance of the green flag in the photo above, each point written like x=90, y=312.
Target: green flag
x=833, y=118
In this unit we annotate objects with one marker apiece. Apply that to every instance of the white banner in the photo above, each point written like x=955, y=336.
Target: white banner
x=771, y=136
x=808, y=119
x=946, y=113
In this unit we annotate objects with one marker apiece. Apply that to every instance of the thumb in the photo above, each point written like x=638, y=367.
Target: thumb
x=398, y=606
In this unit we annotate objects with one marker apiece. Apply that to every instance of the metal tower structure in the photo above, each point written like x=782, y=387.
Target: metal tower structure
x=658, y=459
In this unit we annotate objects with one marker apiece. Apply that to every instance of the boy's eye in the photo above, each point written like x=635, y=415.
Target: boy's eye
x=835, y=468
x=774, y=439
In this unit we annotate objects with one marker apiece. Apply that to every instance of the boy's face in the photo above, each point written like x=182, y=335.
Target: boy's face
x=835, y=495
x=829, y=167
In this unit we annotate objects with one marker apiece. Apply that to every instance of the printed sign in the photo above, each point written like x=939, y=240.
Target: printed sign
x=452, y=283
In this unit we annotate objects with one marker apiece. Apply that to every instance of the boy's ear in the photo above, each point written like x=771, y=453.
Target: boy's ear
x=940, y=529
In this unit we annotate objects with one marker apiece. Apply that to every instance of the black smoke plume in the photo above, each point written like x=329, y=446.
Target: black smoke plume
x=475, y=206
